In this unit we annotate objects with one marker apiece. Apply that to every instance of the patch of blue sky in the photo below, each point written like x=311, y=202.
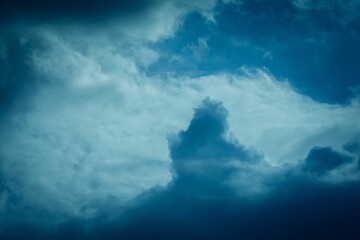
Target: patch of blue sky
x=312, y=51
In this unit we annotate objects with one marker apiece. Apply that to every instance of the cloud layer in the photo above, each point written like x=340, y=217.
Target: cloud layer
x=96, y=119
x=125, y=118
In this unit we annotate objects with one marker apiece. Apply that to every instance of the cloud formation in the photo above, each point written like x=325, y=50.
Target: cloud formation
x=205, y=137
x=83, y=131
x=203, y=159
x=90, y=144
x=199, y=205
x=323, y=159
x=210, y=186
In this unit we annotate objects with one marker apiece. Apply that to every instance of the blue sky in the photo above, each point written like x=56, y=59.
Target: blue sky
x=203, y=119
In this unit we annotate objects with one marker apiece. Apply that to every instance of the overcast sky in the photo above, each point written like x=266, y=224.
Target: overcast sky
x=192, y=119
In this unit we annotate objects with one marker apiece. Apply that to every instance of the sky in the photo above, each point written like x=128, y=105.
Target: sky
x=192, y=119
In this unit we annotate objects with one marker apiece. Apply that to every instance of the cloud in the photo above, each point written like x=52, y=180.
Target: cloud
x=16, y=74
x=323, y=159
x=354, y=145
x=139, y=20
x=202, y=154
x=300, y=210
x=205, y=137
x=90, y=130
x=173, y=211
x=198, y=49
x=298, y=207
x=83, y=129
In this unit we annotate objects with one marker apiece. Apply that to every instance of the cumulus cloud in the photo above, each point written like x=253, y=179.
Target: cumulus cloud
x=203, y=156
x=205, y=137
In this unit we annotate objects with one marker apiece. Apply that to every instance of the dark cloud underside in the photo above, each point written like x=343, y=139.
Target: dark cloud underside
x=198, y=206
x=66, y=10
x=299, y=208
x=323, y=159
x=296, y=211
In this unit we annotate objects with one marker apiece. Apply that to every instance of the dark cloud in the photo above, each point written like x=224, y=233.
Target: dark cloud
x=202, y=155
x=65, y=10
x=19, y=80
x=323, y=159
x=205, y=138
x=354, y=145
x=298, y=210
x=198, y=205
x=73, y=229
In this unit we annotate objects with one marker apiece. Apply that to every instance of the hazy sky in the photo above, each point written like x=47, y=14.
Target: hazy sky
x=191, y=119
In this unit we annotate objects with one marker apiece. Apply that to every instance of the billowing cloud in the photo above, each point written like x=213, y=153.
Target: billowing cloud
x=205, y=137
x=203, y=159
